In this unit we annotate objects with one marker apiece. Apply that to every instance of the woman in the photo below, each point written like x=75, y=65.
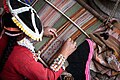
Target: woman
x=19, y=60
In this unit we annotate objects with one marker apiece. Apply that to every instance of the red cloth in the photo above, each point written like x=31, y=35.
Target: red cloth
x=3, y=43
x=6, y=6
x=21, y=64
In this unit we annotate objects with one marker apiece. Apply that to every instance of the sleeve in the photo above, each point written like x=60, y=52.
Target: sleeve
x=36, y=71
x=33, y=70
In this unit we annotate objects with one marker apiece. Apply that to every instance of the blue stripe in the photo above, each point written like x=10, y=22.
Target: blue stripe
x=28, y=2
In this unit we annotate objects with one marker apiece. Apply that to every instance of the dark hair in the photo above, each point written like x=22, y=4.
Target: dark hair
x=7, y=51
x=7, y=22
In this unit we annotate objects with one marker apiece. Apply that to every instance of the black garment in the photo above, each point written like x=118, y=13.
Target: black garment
x=77, y=61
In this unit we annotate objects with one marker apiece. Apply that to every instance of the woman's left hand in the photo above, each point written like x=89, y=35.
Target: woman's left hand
x=48, y=31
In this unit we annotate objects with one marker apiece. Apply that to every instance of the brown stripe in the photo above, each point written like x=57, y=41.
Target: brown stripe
x=62, y=29
x=84, y=27
x=91, y=10
x=73, y=17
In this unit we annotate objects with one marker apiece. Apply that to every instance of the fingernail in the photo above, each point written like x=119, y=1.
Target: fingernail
x=75, y=43
x=70, y=39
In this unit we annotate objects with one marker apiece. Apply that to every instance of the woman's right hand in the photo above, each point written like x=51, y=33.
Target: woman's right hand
x=68, y=48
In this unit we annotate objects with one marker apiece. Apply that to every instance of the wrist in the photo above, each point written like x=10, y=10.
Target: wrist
x=64, y=55
x=58, y=63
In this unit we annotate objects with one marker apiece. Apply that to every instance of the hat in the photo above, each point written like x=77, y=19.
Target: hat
x=26, y=18
x=8, y=26
x=105, y=7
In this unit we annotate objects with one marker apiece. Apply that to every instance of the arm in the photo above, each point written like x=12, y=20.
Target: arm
x=25, y=64
x=33, y=70
x=36, y=71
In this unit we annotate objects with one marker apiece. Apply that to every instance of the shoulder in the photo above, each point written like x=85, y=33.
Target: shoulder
x=21, y=55
x=19, y=59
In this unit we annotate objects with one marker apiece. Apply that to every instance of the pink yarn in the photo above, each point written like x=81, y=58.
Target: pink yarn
x=87, y=69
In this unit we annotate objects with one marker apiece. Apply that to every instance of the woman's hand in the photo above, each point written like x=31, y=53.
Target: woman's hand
x=68, y=48
x=48, y=31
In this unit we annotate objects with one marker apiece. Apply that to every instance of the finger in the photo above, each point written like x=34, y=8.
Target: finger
x=72, y=41
x=69, y=39
x=54, y=32
x=75, y=43
x=54, y=29
x=51, y=34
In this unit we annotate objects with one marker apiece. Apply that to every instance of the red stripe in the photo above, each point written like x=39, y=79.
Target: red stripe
x=6, y=6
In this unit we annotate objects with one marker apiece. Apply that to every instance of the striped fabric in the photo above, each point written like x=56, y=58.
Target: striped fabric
x=65, y=29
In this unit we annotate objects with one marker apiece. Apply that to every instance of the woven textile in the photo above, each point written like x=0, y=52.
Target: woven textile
x=65, y=29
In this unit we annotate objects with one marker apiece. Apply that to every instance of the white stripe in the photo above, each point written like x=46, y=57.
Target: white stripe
x=33, y=22
x=13, y=34
x=20, y=10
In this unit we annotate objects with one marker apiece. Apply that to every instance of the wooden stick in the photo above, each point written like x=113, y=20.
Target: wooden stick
x=68, y=18
x=91, y=10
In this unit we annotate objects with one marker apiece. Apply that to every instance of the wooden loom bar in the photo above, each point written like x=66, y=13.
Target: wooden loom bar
x=91, y=10
x=34, y=3
x=68, y=18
